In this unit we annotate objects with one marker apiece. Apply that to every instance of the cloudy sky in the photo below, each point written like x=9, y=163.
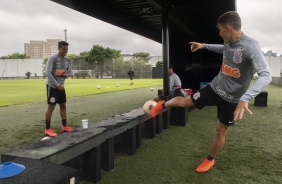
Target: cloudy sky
x=25, y=20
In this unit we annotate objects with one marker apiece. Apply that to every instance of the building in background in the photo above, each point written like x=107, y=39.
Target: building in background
x=38, y=49
x=34, y=49
x=270, y=53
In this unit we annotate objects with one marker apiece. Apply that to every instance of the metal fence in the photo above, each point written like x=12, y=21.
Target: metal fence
x=111, y=68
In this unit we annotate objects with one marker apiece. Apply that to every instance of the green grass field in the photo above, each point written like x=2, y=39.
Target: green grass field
x=26, y=91
x=252, y=153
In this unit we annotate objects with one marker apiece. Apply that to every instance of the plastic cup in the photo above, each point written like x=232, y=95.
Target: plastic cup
x=84, y=123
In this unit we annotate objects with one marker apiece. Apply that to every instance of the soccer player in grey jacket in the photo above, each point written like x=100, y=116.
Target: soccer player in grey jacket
x=58, y=69
x=242, y=57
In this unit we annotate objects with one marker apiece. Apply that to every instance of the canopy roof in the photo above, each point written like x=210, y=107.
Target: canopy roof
x=192, y=18
x=188, y=20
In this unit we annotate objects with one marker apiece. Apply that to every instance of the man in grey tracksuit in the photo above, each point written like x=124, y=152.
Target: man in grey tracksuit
x=242, y=57
x=58, y=69
x=174, y=86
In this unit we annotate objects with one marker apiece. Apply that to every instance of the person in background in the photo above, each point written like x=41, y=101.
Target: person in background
x=130, y=73
x=58, y=69
x=174, y=86
x=229, y=90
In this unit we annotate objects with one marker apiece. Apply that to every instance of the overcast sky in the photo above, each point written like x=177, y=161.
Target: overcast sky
x=25, y=20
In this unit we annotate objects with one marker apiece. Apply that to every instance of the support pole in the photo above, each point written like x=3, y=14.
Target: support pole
x=165, y=44
x=165, y=41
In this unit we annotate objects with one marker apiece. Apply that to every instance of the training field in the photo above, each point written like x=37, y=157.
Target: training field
x=252, y=153
x=24, y=123
x=33, y=90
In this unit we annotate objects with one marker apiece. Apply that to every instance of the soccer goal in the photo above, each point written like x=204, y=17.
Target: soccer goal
x=82, y=73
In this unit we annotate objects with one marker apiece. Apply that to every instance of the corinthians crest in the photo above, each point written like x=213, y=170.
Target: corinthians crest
x=237, y=55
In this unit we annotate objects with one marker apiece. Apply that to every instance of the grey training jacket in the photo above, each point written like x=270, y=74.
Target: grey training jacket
x=57, y=62
x=241, y=59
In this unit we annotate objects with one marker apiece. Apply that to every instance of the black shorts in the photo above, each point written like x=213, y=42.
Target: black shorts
x=174, y=93
x=207, y=97
x=55, y=96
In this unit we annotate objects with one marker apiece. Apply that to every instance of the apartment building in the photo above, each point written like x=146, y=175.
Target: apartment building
x=37, y=49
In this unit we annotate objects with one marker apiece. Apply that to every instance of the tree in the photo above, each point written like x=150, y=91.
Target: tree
x=145, y=56
x=73, y=57
x=84, y=55
x=79, y=62
x=99, y=55
x=16, y=56
x=44, y=66
x=28, y=74
x=159, y=64
x=112, y=53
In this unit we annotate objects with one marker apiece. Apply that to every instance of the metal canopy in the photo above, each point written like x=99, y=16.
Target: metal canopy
x=192, y=18
x=187, y=20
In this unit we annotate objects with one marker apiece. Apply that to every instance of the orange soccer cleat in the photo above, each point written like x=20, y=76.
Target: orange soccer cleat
x=157, y=108
x=66, y=129
x=205, y=166
x=50, y=132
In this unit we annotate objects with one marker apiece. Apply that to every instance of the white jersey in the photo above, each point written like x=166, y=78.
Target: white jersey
x=241, y=60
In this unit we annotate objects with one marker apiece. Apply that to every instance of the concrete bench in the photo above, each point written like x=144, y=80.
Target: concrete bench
x=92, y=149
x=40, y=172
x=261, y=99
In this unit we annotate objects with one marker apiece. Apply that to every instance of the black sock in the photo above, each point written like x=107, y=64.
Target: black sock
x=64, y=122
x=48, y=125
x=210, y=157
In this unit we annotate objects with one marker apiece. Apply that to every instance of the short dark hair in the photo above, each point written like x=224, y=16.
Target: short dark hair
x=61, y=43
x=170, y=66
x=232, y=18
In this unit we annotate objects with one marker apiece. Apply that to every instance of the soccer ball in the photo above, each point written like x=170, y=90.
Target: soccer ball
x=45, y=138
x=152, y=89
x=117, y=85
x=98, y=87
x=148, y=106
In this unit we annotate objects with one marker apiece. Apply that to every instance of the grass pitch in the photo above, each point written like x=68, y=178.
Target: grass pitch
x=14, y=92
x=252, y=153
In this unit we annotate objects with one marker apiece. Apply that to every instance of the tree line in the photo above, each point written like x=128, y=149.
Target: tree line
x=102, y=61
x=107, y=61
x=15, y=56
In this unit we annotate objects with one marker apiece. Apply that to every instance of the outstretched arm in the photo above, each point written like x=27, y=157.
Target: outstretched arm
x=212, y=47
x=195, y=46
